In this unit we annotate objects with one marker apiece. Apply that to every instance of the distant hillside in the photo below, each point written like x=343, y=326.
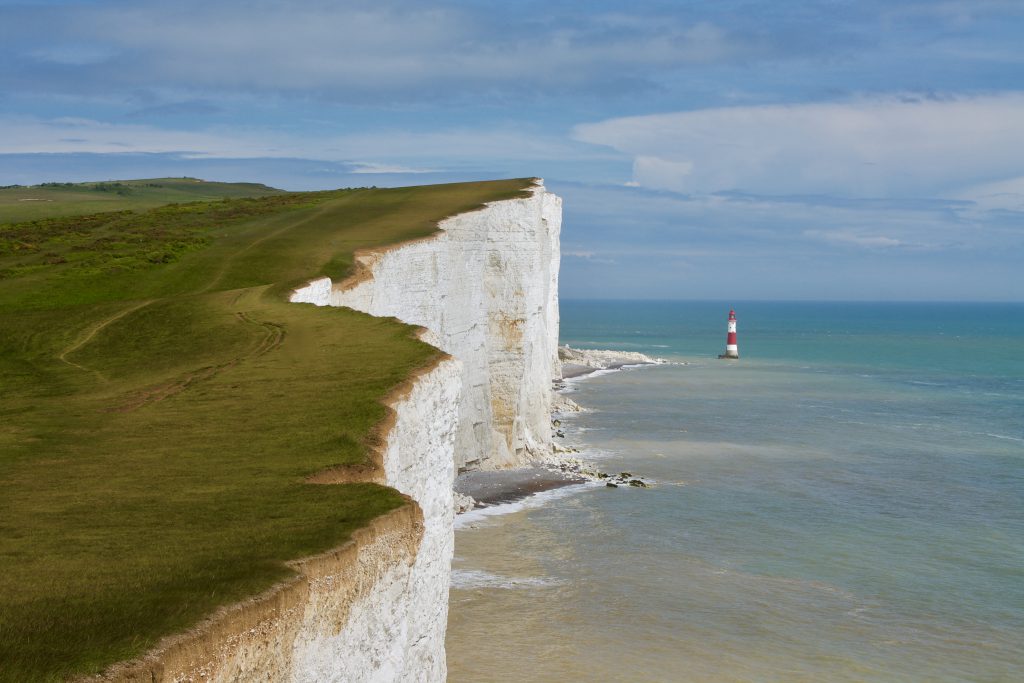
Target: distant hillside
x=49, y=200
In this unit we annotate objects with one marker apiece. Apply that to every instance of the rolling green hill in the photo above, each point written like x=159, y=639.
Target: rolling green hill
x=162, y=405
x=25, y=203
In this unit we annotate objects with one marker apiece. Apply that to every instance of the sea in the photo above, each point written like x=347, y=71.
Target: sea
x=843, y=503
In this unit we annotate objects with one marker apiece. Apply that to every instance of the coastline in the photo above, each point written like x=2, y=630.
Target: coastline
x=785, y=538
x=580, y=362
x=478, y=490
x=490, y=488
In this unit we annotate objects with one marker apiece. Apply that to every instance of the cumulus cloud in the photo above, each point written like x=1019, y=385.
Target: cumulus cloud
x=877, y=147
x=650, y=171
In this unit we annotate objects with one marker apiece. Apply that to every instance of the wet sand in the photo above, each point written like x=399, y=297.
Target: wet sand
x=508, y=486
x=571, y=370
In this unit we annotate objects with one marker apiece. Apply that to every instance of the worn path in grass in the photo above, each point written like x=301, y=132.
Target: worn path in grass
x=159, y=416
x=86, y=338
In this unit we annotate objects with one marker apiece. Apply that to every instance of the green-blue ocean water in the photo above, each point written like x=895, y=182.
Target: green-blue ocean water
x=844, y=503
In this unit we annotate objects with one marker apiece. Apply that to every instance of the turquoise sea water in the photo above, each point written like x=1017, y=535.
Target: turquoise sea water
x=844, y=503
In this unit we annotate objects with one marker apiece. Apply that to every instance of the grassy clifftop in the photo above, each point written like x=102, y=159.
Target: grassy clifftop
x=162, y=405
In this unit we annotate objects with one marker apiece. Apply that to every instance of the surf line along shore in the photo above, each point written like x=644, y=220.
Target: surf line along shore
x=481, y=490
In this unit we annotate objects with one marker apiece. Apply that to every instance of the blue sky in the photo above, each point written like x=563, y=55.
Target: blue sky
x=727, y=149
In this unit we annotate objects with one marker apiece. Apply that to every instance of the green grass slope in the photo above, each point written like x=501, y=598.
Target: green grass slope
x=26, y=203
x=162, y=404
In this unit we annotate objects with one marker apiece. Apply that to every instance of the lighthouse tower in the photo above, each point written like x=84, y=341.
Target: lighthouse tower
x=731, y=350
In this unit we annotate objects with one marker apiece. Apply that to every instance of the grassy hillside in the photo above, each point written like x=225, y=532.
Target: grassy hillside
x=162, y=405
x=26, y=203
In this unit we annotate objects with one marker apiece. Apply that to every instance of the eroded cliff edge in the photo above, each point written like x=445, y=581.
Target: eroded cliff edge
x=484, y=289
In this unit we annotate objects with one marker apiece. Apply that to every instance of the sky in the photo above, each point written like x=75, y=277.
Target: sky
x=720, y=149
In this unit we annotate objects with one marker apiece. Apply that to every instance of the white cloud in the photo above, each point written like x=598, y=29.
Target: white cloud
x=956, y=13
x=854, y=239
x=392, y=151
x=372, y=168
x=651, y=171
x=71, y=54
x=29, y=135
x=880, y=147
x=702, y=225
x=357, y=51
x=1003, y=194
x=588, y=256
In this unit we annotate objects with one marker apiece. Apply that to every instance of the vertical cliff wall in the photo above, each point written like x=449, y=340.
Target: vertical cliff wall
x=374, y=609
x=486, y=288
x=394, y=631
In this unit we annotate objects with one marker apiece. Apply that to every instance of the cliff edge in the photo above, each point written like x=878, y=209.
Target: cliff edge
x=485, y=287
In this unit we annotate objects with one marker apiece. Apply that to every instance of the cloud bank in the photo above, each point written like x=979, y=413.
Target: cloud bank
x=795, y=157
x=879, y=147
x=379, y=151
x=354, y=51
x=628, y=242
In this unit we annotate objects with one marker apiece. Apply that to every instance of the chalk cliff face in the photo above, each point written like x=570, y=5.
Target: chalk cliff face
x=395, y=630
x=375, y=609
x=486, y=289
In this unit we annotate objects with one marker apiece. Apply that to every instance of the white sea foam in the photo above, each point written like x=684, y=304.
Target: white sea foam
x=1003, y=436
x=600, y=372
x=482, y=515
x=595, y=373
x=478, y=578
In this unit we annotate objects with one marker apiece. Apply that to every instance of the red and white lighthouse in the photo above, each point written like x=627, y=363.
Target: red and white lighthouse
x=731, y=349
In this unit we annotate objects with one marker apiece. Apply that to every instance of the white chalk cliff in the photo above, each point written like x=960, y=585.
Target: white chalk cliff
x=395, y=630
x=485, y=290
